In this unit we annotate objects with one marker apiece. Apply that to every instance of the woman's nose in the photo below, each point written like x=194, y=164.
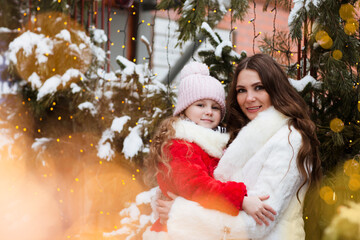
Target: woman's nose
x=250, y=97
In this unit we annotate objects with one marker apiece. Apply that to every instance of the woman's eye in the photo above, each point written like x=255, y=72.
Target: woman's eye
x=240, y=90
x=260, y=87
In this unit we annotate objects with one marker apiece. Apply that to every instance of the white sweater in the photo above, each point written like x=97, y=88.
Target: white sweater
x=262, y=158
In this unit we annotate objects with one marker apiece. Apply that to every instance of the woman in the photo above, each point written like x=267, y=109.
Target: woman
x=275, y=152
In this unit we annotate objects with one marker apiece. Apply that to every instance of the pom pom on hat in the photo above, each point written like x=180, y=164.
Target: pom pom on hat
x=197, y=84
x=194, y=68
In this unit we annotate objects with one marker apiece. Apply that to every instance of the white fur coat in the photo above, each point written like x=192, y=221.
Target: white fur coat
x=263, y=156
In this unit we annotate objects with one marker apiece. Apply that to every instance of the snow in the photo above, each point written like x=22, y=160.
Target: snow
x=5, y=139
x=70, y=74
x=6, y=88
x=118, y=123
x=219, y=48
x=146, y=41
x=6, y=30
x=75, y=88
x=145, y=197
x=88, y=106
x=99, y=53
x=40, y=143
x=224, y=5
x=188, y=5
x=50, y=86
x=64, y=35
x=104, y=147
x=298, y=5
x=27, y=42
x=208, y=29
x=35, y=81
x=299, y=85
x=99, y=36
x=128, y=67
x=132, y=143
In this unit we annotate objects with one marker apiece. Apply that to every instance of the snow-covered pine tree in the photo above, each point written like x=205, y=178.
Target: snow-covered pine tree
x=222, y=59
x=193, y=13
x=82, y=131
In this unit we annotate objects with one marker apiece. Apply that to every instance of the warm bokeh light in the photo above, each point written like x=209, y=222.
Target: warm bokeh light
x=337, y=54
x=336, y=125
x=351, y=167
x=351, y=26
x=346, y=11
x=324, y=39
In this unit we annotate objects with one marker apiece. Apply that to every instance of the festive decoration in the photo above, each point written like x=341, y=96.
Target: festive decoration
x=351, y=26
x=351, y=167
x=328, y=195
x=336, y=125
x=337, y=54
x=346, y=11
x=324, y=39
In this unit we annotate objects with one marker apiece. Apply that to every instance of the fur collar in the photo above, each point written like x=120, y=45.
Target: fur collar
x=248, y=141
x=210, y=141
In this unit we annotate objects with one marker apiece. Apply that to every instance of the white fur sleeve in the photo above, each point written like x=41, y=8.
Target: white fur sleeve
x=279, y=177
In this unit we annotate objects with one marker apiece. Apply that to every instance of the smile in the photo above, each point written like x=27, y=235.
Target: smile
x=253, y=109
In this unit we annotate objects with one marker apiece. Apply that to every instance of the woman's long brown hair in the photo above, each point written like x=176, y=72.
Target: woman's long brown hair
x=286, y=100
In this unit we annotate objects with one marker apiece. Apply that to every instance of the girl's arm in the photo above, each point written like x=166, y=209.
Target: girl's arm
x=279, y=178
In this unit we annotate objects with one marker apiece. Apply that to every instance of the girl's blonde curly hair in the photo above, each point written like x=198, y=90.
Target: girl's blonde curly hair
x=159, y=150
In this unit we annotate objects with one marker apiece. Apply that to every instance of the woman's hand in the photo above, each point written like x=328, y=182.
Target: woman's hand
x=256, y=208
x=164, y=207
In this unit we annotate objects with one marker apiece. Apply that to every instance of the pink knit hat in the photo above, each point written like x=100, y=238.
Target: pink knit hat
x=197, y=84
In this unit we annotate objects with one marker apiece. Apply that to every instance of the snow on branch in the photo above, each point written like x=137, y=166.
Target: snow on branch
x=299, y=85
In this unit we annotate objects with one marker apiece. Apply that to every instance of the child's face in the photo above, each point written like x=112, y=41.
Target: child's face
x=205, y=112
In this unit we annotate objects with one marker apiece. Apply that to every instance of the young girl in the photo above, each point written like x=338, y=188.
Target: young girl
x=186, y=149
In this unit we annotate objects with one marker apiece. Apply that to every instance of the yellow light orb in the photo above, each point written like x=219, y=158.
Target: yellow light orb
x=337, y=54
x=336, y=125
x=346, y=11
x=326, y=42
x=324, y=39
x=351, y=26
x=351, y=167
x=324, y=190
x=320, y=34
x=354, y=182
x=328, y=195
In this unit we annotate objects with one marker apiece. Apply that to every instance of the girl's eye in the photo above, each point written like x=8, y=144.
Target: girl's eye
x=216, y=108
x=200, y=105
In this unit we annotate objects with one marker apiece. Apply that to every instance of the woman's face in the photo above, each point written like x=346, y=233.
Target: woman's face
x=251, y=94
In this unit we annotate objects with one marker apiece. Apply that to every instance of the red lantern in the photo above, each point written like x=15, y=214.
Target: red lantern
x=124, y=3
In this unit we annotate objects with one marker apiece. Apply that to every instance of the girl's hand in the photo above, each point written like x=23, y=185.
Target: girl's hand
x=164, y=207
x=256, y=208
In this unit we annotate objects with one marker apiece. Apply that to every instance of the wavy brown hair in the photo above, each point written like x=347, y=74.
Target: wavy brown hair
x=286, y=100
x=159, y=150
